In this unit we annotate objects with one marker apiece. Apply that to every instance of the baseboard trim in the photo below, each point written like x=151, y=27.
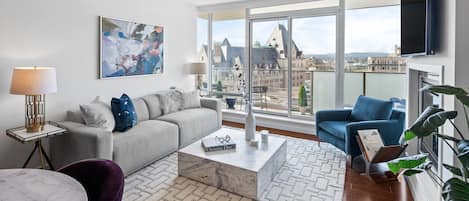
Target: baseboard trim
x=275, y=131
x=274, y=122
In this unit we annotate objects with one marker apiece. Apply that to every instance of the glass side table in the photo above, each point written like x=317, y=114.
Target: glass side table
x=20, y=135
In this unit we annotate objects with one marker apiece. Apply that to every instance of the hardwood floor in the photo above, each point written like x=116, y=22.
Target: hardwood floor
x=357, y=187
x=377, y=188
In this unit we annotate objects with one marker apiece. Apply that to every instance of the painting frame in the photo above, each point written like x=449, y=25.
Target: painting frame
x=141, y=54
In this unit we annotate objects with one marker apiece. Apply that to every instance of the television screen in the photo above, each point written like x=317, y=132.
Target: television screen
x=413, y=27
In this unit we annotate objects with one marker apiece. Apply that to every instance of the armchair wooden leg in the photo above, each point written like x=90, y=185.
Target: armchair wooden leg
x=349, y=157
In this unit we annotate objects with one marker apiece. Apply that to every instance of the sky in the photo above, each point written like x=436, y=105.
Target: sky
x=366, y=30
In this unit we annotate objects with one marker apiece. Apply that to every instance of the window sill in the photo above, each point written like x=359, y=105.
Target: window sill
x=273, y=121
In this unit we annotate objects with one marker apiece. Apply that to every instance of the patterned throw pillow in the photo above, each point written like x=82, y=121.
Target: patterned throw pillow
x=171, y=101
x=124, y=113
x=191, y=99
x=98, y=114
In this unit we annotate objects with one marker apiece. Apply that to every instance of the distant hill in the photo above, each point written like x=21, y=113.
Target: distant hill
x=353, y=55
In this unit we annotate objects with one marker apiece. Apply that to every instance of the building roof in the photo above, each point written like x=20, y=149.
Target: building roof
x=227, y=54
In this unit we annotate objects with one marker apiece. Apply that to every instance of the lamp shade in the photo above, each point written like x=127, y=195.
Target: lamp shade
x=198, y=68
x=33, y=81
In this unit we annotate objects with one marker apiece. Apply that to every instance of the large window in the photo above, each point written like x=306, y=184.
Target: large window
x=372, y=48
x=269, y=65
x=307, y=83
x=294, y=55
x=313, y=63
x=228, y=54
x=202, y=44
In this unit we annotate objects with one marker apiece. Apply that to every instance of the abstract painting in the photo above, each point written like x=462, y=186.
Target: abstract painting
x=130, y=48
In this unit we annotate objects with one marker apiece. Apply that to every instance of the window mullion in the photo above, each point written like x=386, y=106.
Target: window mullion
x=209, y=53
x=289, y=47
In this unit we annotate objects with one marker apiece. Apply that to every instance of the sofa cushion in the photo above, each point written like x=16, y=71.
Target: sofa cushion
x=171, y=101
x=154, y=105
x=141, y=109
x=191, y=99
x=124, y=113
x=331, y=139
x=144, y=143
x=193, y=124
x=367, y=109
x=75, y=116
x=335, y=128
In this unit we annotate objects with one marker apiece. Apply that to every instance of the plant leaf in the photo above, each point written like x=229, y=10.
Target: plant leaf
x=409, y=135
x=445, y=89
x=463, y=152
x=436, y=120
x=464, y=99
x=410, y=172
x=448, y=138
x=455, y=189
x=455, y=170
x=417, y=127
x=408, y=162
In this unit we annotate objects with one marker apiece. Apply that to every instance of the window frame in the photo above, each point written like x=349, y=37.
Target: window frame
x=337, y=11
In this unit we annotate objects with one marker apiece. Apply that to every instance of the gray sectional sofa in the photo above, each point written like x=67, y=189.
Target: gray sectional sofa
x=157, y=134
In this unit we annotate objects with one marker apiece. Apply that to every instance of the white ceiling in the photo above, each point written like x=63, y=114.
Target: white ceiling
x=349, y=3
x=211, y=2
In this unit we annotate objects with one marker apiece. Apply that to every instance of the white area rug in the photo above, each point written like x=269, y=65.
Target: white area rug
x=310, y=173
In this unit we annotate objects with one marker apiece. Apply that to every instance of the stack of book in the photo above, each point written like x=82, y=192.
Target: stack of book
x=214, y=144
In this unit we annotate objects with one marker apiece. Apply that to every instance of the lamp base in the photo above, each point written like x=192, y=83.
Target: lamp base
x=198, y=82
x=35, y=106
x=35, y=128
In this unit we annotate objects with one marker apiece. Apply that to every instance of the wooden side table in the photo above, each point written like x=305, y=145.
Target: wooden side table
x=20, y=134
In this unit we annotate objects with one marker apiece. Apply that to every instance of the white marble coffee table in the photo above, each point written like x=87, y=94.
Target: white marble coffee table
x=245, y=171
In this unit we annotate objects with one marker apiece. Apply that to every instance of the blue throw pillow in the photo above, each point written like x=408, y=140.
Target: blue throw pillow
x=368, y=109
x=124, y=113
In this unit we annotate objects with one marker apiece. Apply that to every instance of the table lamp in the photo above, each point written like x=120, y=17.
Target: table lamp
x=198, y=69
x=34, y=83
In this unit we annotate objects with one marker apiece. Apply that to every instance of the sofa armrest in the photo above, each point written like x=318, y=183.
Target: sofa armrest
x=80, y=142
x=333, y=115
x=214, y=104
x=390, y=132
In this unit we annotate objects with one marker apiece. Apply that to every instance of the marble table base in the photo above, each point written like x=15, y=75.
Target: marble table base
x=242, y=181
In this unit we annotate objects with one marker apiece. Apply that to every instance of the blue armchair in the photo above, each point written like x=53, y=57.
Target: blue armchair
x=339, y=127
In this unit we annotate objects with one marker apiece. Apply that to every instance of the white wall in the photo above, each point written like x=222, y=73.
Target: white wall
x=454, y=29
x=461, y=56
x=65, y=34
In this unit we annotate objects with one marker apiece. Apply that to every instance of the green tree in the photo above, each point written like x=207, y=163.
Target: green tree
x=302, y=99
x=219, y=89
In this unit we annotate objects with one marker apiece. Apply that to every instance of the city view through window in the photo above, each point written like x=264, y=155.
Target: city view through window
x=372, y=62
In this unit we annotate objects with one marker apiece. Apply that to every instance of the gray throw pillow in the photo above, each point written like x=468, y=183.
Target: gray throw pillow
x=191, y=99
x=75, y=116
x=154, y=105
x=171, y=101
x=98, y=114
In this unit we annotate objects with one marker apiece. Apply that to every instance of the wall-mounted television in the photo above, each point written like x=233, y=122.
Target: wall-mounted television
x=418, y=26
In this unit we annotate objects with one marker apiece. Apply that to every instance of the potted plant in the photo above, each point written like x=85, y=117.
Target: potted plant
x=302, y=99
x=427, y=124
x=219, y=89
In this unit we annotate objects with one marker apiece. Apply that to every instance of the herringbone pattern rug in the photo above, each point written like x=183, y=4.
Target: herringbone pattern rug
x=310, y=173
